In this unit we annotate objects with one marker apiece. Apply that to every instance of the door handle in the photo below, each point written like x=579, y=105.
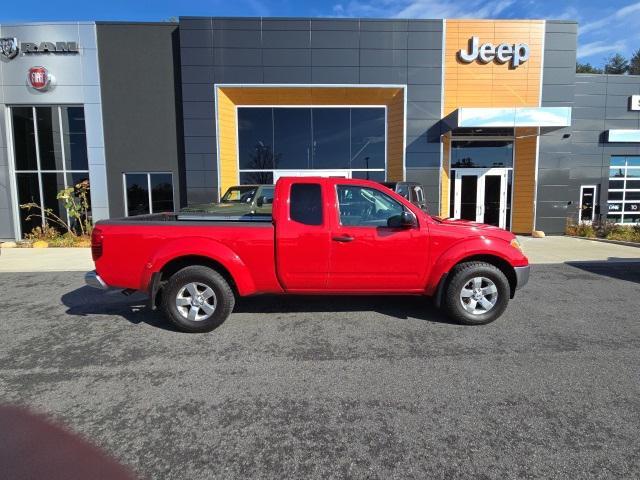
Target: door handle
x=343, y=238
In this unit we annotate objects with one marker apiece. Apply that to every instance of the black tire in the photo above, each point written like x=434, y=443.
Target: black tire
x=221, y=302
x=461, y=277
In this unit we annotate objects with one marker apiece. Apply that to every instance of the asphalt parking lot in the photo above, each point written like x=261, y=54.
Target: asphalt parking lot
x=339, y=387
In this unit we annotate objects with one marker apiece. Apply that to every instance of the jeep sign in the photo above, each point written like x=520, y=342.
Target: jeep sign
x=515, y=54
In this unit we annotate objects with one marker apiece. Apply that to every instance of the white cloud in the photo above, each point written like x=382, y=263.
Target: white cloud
x=600, y=46
x=424, y=8
x=613, y=20
x=442, y=9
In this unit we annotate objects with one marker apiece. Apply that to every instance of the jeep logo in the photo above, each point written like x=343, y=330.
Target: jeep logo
x=487, y=52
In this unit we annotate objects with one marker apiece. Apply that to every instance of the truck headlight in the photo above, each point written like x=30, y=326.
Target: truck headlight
x=516, y=244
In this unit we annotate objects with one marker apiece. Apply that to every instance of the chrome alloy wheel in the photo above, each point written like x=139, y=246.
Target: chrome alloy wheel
x=479, y=295
x=196, y=301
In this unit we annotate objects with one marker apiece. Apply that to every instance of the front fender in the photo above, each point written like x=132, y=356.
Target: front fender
x=202, y=247
x=472, y=247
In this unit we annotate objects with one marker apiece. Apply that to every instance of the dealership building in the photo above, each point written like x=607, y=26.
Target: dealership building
x=489, y=115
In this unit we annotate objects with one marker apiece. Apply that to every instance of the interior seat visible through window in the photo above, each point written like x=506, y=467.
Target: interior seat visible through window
x=367, y=207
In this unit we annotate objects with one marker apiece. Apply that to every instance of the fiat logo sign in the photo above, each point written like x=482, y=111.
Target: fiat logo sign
x=39, y=78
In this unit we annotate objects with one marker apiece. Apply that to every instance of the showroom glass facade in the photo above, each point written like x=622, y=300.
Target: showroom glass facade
x=50, y=151
x=624, y=189
x=303, y=138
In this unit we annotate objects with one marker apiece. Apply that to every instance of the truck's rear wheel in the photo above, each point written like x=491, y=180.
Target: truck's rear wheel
x=477, y=293
x=197, y=299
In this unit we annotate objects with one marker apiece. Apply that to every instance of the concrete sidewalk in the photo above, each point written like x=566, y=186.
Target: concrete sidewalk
x=539, y=251
x=45, y=260
x=562, y=249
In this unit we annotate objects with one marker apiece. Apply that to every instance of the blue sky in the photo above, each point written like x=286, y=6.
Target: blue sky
x=605, y=27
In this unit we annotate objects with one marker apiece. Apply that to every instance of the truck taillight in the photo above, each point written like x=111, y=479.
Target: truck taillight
x=96, y=244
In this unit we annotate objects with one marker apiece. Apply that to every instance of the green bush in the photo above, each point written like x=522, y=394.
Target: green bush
x=604, y=229
x=581, y=229
x=46, y=233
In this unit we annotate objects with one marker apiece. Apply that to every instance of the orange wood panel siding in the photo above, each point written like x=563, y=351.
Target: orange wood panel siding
x=492, y=84
x=445, y=180
x=227, y=142
x=495, y=85
x=524, y=180
x=231, y=97
x=395, y=137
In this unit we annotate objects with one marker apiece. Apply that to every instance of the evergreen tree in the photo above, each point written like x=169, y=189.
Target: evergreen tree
x=587, y=68
x=634, y=64
x=616, y=65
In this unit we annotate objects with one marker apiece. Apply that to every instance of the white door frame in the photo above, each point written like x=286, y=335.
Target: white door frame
x=310, y=173
x=481, y=174
x=593, y=207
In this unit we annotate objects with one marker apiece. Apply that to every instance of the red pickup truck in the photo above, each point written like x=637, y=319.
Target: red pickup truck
x=325, y=236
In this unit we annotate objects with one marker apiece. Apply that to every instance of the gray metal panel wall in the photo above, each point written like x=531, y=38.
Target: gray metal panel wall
x=602, y=103
x=557, y=179
x=306, y=51
x=141, y=103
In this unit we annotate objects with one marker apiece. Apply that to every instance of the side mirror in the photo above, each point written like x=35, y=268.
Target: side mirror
x=404, y=220
x=260, y=201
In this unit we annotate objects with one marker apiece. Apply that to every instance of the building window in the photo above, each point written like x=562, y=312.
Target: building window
x=482, y=154
x=50, y=154
x=148, y=193
x=624, y=189
x=349, y=139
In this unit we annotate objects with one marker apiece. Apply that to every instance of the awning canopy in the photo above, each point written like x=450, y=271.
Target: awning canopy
x=512, y=117
x=628, y=136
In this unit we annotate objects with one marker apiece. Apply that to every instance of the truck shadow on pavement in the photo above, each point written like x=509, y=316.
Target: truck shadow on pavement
x=86, y=301
x=627, y=269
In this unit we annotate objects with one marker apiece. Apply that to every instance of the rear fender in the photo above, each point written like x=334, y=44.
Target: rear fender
x=202, y=247
x=487, y=246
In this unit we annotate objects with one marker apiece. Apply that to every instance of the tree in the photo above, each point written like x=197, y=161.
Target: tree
x=616, y=65
x=634, y=64
x=587, y=68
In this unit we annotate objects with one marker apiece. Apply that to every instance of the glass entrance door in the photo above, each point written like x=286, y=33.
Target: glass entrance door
x=481, y=195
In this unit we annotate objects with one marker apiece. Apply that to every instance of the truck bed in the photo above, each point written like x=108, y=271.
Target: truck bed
x=133, y=245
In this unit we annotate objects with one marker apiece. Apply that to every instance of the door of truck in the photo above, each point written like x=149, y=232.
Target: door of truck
x=366, y=254
x=303, y=242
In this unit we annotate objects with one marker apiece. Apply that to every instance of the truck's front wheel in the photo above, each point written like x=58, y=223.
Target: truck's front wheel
x=197, y=299
x=477, y=293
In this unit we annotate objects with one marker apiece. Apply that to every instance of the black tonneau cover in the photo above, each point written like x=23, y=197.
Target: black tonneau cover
x=191, y=217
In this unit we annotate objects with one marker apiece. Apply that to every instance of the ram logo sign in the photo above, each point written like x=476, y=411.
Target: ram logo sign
x=49, y=47
x=9, y=47
x=515, y=54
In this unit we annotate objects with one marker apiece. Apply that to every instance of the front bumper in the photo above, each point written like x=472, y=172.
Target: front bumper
x=93, y=280
x=522, y=276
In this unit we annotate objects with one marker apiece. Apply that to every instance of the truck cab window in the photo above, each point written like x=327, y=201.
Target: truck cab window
x=267, y=195
x=239, y=195
x=306, y=203
x=366, y=207
x=403, y=190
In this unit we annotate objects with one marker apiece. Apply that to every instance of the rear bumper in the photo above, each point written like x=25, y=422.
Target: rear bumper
x=522, y=276
x=93, y=280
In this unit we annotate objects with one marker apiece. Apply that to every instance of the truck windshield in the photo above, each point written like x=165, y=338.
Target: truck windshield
x=239, y=195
